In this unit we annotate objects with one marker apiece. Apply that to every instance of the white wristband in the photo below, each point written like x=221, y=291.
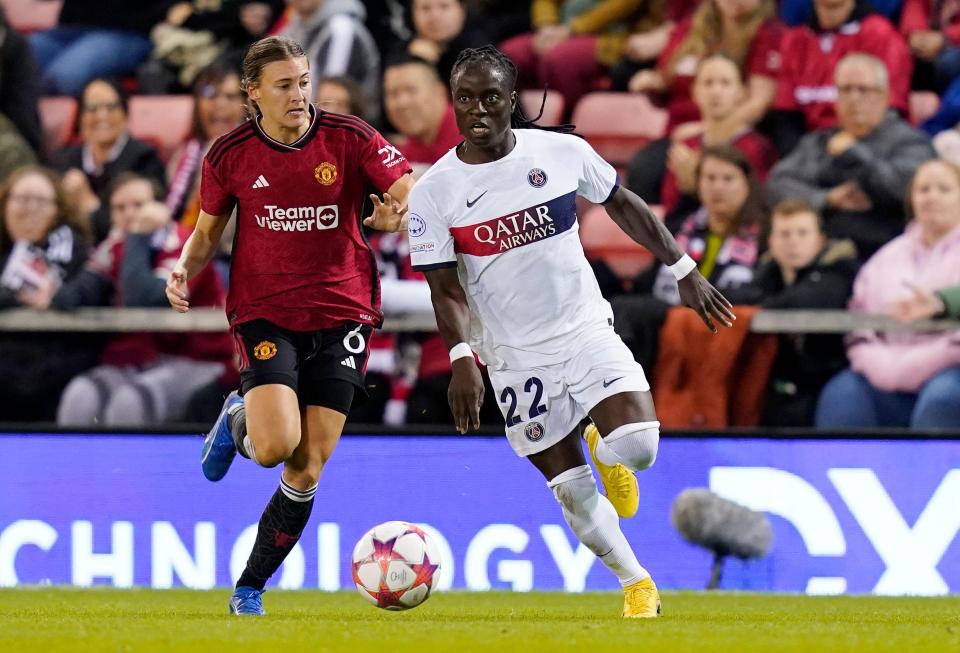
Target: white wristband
x=683, y=267
x=460, y=350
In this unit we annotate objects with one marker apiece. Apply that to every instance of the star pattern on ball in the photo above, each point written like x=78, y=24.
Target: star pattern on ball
x=424, y=571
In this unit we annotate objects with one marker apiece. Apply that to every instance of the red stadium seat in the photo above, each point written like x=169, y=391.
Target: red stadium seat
x=58, y=116
x=603, y=240
x=552, y=110
x=618, y=124
x=923, y=104
x=164, y=121
x=32, y=15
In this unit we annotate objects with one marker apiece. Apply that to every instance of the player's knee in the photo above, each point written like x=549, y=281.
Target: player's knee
x=275, y=450
x=575, y=490
x=80, y=403
x=635, y=444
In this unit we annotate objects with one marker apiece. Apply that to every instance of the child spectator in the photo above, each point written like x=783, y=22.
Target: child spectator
x=144, y=378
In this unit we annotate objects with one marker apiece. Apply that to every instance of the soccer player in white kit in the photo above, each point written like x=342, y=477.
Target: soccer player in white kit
x=493, y=226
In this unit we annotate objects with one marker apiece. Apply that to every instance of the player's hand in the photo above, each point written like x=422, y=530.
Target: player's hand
x=922, y=304
x=177, y=289
x=388, y=215
x=465, y=394
x=700, y=295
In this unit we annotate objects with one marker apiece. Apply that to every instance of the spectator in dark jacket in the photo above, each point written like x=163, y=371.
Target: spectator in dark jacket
x=19, y=87
x=43, y=245
x=106, y=150
x=802, y=269
x=441, y=29
x=856, y=174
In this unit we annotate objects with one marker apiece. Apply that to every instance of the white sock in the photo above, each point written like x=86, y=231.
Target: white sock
x=594, y=521
x=605, y=454
x=249, y=450
x=635, y=445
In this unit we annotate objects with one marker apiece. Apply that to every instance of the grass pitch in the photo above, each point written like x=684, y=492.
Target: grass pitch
x=49, y=620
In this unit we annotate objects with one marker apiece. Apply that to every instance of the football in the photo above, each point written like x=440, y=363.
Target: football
x=396, y=565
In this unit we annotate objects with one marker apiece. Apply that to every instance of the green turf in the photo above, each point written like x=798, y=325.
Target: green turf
x=48, y=620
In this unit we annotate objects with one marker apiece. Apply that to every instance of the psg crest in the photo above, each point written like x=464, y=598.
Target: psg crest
x=537, y=178
x=534, y=431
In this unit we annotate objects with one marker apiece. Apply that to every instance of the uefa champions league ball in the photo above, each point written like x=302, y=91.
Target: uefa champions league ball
x=396, y=565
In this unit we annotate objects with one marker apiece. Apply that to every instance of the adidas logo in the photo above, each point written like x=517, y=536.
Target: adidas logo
x=349, y=362
x=261, y=182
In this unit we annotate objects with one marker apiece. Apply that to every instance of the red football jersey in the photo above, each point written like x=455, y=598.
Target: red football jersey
x=762, y=60
x=300, y=258
x=809, y=59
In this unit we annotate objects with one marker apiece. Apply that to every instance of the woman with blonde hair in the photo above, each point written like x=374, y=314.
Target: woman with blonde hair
x=905, y=378
x=746, y=31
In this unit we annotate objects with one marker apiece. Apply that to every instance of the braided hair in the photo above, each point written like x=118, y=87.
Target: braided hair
x=490, y=55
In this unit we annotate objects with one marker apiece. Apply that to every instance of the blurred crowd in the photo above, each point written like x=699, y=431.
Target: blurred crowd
x=810, y=159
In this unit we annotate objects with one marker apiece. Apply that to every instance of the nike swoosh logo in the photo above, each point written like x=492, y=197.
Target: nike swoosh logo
x=471, y=203
x=607, y=384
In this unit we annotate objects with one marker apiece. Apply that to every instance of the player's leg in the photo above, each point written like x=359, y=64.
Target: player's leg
x=594, y=521
x=263, y=425
x=288, y=511
x=613, y=389
x=629, y=428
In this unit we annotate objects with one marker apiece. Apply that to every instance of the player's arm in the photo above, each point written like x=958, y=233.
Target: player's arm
x=637, y=220
x=453, y=321
x=390, y=214
x=200, y=247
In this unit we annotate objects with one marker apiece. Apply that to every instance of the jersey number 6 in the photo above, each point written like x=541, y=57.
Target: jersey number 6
x=534, y=385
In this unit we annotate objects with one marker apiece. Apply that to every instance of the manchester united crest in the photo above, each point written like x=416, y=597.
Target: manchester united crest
x=265, y=350
x=325, y=173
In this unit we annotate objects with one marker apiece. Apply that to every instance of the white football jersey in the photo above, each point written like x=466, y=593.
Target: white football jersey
x=511, y=227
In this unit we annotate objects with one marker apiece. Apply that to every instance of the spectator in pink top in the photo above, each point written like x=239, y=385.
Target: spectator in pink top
x=905, y=378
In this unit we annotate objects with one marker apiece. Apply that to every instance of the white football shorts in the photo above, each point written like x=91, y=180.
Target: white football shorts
x=542, y=405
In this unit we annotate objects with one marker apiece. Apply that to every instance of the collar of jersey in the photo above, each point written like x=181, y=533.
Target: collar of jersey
x=298, y=144
x=509, y=156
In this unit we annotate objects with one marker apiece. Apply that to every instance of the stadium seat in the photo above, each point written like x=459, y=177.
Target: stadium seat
x=618, y=124
x=923, y=104
x=552, y=110
x=58, y=116
x=164, y=121
x=603, y=240
x=32, y=15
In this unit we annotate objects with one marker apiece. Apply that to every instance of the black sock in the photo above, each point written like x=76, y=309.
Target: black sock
x=281, y=524
x=238, y=429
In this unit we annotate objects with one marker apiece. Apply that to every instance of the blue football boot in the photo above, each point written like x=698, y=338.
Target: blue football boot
x=247, y=600
x=218, y=447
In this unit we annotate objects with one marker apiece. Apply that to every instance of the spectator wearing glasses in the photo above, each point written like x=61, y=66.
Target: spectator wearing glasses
x=106, y=149
x=856, y=174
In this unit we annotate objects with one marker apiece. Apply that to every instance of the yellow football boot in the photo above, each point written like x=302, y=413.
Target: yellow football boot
x=619, y=482
x=641, y=600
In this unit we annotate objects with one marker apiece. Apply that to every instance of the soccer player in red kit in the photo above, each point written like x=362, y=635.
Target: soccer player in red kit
x=304, y=292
